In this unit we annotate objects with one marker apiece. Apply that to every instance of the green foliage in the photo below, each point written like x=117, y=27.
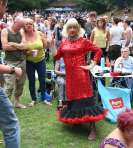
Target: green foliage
x=102, y=5
x=98, y=5
x=27, y=4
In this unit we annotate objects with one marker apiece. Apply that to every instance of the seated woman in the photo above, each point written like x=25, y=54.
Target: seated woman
x=60, y=72
x=122, y=136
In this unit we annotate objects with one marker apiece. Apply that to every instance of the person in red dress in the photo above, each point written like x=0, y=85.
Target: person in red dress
x=81, y=106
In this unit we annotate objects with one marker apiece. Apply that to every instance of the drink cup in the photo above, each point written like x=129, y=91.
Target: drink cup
x=34, y=52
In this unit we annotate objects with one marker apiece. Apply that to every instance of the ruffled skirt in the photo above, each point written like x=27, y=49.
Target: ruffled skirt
x=81, y=111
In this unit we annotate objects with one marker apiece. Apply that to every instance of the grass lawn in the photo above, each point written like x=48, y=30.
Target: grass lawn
x=40, y=128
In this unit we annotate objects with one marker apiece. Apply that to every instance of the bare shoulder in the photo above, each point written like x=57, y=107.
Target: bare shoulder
x=4, y=34
x=22, y=32
x=4, y=31
x=94, y=29
x=127, y=31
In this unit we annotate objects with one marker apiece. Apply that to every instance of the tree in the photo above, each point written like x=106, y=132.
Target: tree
x=98, y=5
x=27, y=4
x=122, y=3
x=103, y=5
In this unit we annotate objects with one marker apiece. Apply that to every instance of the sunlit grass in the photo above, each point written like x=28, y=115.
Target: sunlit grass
x=40, y=128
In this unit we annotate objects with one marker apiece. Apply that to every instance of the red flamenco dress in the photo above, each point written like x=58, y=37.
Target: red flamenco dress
x=81, y=106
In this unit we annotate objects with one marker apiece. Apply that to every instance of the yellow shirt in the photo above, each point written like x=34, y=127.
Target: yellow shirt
x=99, y=38
x=36, y=45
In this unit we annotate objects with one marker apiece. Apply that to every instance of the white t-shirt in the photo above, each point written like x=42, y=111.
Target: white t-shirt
x=116, y=35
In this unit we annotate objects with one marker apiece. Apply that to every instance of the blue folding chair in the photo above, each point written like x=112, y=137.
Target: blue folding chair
x=114, y=99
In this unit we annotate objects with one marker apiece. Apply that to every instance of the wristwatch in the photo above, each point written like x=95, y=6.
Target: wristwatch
x=12, y=70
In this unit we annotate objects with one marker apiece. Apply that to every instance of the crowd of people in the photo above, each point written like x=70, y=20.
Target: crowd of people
x=27, y=40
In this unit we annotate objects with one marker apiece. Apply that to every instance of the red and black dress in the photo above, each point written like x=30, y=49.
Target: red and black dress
x=81, y=107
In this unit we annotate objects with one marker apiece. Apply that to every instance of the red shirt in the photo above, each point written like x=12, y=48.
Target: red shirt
x=78, y=83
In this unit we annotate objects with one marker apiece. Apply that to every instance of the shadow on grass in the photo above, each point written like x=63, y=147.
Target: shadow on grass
x=79, y=131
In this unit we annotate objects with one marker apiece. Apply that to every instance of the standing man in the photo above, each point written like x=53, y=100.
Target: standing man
x=8, y=121
x=116, y=34
x=11, y=39
x=91, y=23
x=89, y=26
x=57, y=31
x=39, y=25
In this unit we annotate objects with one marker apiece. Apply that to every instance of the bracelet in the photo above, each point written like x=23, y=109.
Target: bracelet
x=12, y=70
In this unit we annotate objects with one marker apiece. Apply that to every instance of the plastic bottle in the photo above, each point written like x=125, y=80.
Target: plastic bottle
x=102, y=63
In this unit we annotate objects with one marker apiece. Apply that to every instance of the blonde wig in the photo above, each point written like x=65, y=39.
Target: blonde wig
x=72, y=22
